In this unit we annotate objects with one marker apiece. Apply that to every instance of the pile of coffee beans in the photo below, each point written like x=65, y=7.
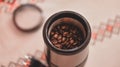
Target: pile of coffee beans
x=66, y=36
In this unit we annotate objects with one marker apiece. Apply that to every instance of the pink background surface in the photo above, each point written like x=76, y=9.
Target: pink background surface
x=15, y=44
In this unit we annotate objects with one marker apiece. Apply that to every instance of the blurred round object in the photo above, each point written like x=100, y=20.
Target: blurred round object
x=28, y=17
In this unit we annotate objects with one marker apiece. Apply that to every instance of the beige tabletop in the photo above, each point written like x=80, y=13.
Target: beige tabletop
x=15, y=44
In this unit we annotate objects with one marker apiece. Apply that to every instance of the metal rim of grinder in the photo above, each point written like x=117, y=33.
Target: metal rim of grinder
x=70, y=14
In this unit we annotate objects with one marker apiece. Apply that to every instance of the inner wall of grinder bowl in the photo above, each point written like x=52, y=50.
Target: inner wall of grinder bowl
x=28, y=17
x=71, y=21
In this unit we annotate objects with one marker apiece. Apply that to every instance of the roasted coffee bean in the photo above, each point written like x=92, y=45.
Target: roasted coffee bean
x=65, y=33
x=63, y=27
x=60, y=41
x=74, y=43
x=56, y=36
x=63, y=39
x=71, y=41
x=58, y=27
x=74, y=31
x=58, y=45
x=68, y=35
x=54, y=41
x=52, y=33
x=59, y=37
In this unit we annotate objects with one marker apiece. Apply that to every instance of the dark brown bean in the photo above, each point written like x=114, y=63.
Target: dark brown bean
x=56, y=36
x=71, y=41
x=63, y=39
x=58, y=45
x=59, y=37
x=65, y=33
x=54, y=41
x=63, y=27
x=52, y=33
